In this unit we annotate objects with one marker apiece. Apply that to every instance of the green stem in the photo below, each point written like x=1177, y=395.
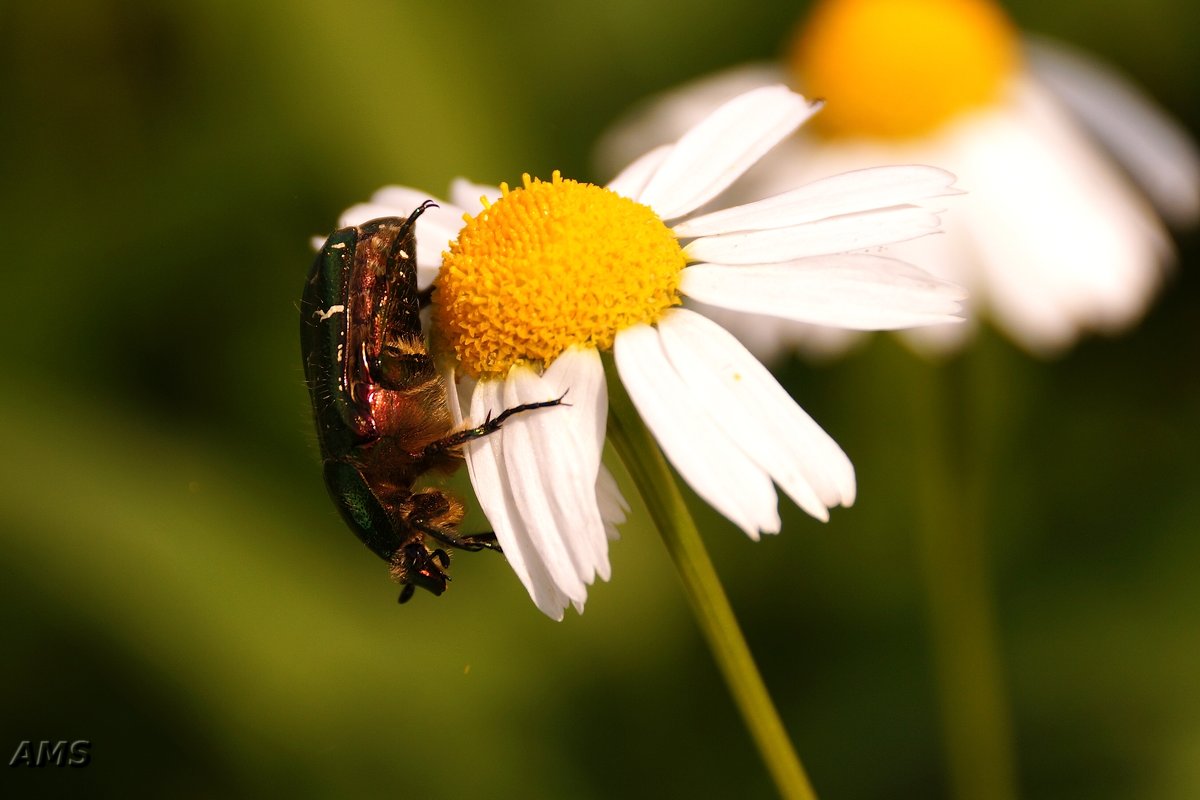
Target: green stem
x=975, y=717
x=654, y=479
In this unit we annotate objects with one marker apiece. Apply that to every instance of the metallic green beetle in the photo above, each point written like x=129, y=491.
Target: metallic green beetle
x=380, y=406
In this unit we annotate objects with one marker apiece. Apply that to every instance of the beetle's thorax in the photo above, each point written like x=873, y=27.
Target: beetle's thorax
x=414, y=417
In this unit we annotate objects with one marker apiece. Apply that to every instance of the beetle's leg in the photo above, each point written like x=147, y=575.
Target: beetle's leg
x=490, y=425
x=435, y=515
x=425, y=296
x=366, y=513
x=415, y=565
x=485, y=538
x=406, y=593
x=470, y=543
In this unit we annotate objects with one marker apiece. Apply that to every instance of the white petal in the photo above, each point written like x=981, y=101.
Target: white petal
x=849, y=193
x=664, y=118
x=549, y=483
x=578, y=377
x=434, y=236
x=702, y=454
x=822, y=237
x=359, y=213
x=580, y=373
x=633, y=179
x=769, y=339
x=1156, y=150
x=425, y=277
x=440, y=222
x=613, y=506
x=949, y=255
x=854, y=291
x=1064, y=243
x=489, y=477
x=448, y=375
x=460, y=392
x=436, y=227
x=746, y=401
x=466, y=194
x=937, y=342
x=717, y=151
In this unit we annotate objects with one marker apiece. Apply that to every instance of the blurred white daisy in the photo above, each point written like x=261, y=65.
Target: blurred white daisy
x=535, y=285
x=1051, y=239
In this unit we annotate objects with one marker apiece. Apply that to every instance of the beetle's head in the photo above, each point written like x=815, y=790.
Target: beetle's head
x=416, y=565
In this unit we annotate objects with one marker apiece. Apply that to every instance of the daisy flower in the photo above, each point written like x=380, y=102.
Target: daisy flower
x=1052, y=239
x=533, y=287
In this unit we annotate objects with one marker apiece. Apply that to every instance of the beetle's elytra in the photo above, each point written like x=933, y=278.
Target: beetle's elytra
x=380, y=407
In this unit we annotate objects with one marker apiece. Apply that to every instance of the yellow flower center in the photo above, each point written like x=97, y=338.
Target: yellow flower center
x=548, y=266
x=901, y=68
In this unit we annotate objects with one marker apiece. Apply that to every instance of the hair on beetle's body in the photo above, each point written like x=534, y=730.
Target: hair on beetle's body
x=380, y=406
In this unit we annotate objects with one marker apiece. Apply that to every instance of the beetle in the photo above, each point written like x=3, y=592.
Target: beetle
x=380, y=407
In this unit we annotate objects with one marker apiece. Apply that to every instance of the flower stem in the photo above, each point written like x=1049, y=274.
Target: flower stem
x=661, y=494
x=953, y=554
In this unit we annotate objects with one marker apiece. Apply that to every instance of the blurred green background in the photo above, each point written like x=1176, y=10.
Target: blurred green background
x=177, y=588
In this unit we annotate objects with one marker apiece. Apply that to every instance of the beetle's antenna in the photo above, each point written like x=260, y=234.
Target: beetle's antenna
x=419, y=210
x=407, y=230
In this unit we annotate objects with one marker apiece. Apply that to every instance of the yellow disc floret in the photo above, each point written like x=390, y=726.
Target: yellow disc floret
x=901, y=68
x=548, y=266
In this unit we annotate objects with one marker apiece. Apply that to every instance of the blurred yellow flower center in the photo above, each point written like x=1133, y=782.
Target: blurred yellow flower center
x=551, y=265
x=901, y=68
